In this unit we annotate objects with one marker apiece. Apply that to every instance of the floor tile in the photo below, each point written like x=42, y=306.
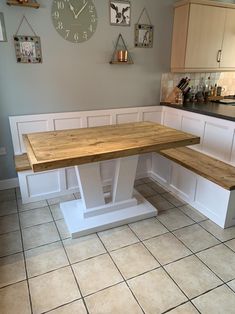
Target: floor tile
x=12, y=269
x=218, y=232
x=192, y=276
x=9, y=223
x=156, y=292
x=196, y=238
x=45, y=258
x=10, y=243
x=134, y=260
x=221, y=260
x=34, y=205
x=15, y=299
x=139, y=182
x=148, y=228
x=173, y=199
x=35, y=217
x=231, y=284
x=96, y=274
x=118, y=237
x=63, y=229
x=145, y=190
x=54, y=289
x=56, y=212
x=157, y=187
x=167, y=248
x=113, y=300
x=82, y=248
x=40, y=235
x=76, y=307
x=60, y=199
x=231, y=244
x=223, y=301
x=193, y=213
x=8, y=207
x=7, y=195
x=186, y=308
x=160, y=203
x=174, y=219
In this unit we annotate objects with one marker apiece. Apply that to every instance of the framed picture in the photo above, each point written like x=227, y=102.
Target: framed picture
x=120, y=13
x=28, y=49
x=143, y=36
x=3, y=34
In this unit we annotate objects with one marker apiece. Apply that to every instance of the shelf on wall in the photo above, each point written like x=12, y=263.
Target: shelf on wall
x=30, y=4
x=121, y=62
x=121, y=43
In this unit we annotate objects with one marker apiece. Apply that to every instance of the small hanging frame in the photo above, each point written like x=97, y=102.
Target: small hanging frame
x=27, y=47
x=122, y=55
x=144, y=32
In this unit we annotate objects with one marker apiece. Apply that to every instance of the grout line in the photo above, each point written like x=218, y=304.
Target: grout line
x=70, y=265
x=120, y=272
x=26, y=271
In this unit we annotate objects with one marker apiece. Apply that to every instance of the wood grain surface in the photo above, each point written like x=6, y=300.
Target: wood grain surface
x=208, y=167
x=22, y=163
x=58, y=149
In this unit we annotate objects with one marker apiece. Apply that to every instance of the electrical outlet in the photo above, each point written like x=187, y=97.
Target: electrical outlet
x=3, y=151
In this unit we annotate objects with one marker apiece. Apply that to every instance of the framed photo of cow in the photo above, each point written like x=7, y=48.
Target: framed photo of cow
x=120, y=13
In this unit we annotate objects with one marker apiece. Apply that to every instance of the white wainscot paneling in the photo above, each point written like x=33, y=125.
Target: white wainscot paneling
x=183, y=182
x=127, y=117
x=25, y=127
x=153, y=116
x=161, y=169
x=144, y=165
x=172, y=119
x=67, y=123
x=193, y=126
x=71, y=178
x=93, y=121
x=212, y=200
x=217, y=140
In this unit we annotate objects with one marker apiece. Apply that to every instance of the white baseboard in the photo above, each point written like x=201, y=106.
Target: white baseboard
x=9, y=184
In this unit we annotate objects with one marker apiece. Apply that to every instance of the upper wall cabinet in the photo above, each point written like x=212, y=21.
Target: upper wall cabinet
x=203, y=36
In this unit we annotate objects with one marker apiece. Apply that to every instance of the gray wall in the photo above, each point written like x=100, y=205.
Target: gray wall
x=77, y=77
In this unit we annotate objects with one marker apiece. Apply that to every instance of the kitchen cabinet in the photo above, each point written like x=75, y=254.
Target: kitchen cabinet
x=203, y=36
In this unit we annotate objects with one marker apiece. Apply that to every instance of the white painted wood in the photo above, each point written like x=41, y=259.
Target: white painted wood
x=124, y=178
x=217, y=140
x=183, y=182
x=79, y=225
x=68, y=123
x=173, y=119
x=193, y=125
x=161, y=169
x=100, y=120
x=127, y=117
x=90, y=185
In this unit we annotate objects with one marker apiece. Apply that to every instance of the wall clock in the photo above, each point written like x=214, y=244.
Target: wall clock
x=74, y=20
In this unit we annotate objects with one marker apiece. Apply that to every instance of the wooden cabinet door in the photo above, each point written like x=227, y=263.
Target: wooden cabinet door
x=228, y=48
x=205, y=36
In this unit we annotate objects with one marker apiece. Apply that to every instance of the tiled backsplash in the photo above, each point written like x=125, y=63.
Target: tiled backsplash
x=224, y=79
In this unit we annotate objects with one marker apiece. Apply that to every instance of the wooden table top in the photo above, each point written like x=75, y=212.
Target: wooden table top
x=59, y=149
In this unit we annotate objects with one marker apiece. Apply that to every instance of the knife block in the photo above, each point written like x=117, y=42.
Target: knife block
x=171, y=98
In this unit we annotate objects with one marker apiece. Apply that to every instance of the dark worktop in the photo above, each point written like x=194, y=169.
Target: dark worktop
x=221, y=111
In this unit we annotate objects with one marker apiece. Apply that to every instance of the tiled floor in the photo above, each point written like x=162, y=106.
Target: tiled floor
x=177, y=263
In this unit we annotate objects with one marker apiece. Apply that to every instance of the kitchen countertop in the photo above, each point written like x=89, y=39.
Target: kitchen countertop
x=213, y=109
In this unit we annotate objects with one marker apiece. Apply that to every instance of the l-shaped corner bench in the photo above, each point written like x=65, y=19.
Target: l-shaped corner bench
x=203, y=181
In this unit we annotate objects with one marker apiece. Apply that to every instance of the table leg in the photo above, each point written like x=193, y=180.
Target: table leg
x=92, y=213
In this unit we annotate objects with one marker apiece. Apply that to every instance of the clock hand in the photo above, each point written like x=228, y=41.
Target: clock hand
x=72, y=9
x=77, y=15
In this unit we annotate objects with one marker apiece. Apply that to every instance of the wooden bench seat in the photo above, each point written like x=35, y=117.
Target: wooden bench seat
x=208, y=167
x=22, y=163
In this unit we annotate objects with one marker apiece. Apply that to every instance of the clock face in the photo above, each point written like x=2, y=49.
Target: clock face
x=74, y=20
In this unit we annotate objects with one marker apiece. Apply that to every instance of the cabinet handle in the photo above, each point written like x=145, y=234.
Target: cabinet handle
x=219, y=55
